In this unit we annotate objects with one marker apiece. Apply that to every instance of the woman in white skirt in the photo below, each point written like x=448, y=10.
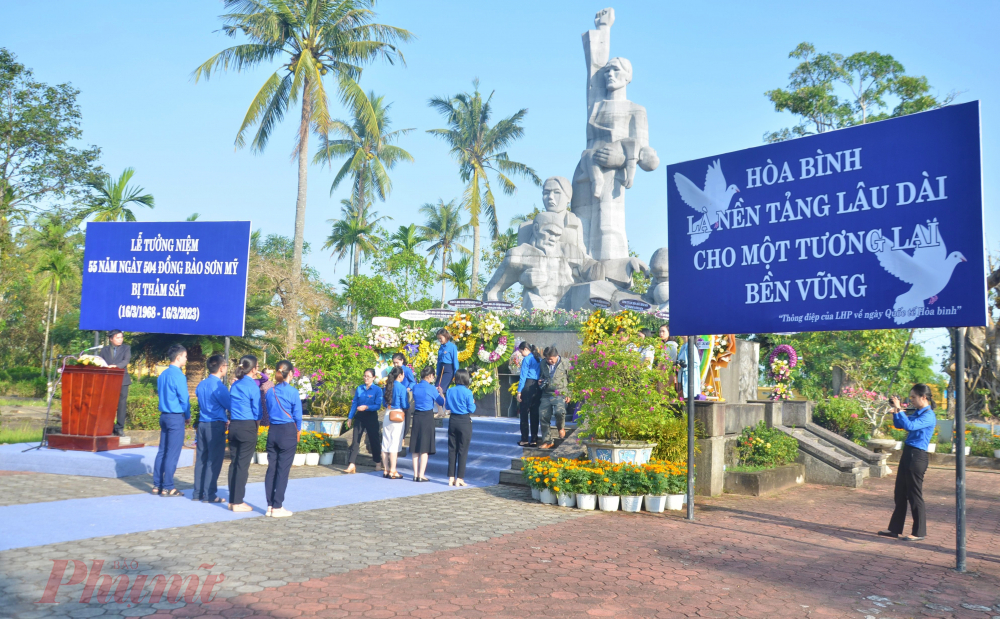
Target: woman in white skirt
x=397, y=400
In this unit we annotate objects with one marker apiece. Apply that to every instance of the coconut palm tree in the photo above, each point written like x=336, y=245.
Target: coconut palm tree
x=311, y=38
x=354, y=233
x=459, y=277
x=55, y=268
x=443, y=229
x=480, y=150
x=370, y=154
x=113, y=198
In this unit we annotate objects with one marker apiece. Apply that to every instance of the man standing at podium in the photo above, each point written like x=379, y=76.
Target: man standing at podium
x=118, y=354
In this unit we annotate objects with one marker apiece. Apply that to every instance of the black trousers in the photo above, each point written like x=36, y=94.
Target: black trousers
x=459, y=437
x=211, y=439
x=242, y=445
x=366, y=422
x=531, y=397
x=122, y=411
x=408, y=416
x=910, y=490
x=281, y=442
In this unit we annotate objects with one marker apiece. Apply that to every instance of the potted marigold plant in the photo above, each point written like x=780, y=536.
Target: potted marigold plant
x=623, y=400
x=607, y=489
x=633, y=488
x=262, y=445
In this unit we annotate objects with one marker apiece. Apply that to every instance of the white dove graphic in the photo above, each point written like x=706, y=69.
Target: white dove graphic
x=711, y=201
x=928, y=271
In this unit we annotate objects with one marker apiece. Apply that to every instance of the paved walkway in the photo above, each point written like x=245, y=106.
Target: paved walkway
x=492, y=552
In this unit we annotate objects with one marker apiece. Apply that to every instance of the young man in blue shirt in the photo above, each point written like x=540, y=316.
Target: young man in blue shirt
x=213, y=404
x=175, y=412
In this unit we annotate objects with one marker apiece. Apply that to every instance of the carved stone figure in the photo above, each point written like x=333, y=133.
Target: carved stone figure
x=617, y=143
x=658, y=294
x=556, y=195
x=547, y=268
x=577, y=248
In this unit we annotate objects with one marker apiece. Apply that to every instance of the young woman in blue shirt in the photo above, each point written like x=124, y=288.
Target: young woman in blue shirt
x=460, y=402
x=529, y=396
x=447, y=361
x=397, y=399
x=244, y=417
x=364, y=420
x=409, y=381
x=912, y=463
x=422, y=435
x=285, y=409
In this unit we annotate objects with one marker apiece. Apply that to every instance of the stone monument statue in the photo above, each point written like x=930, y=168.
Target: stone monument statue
x=577, y=249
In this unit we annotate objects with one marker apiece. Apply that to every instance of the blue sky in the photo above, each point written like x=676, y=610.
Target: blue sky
x=700, y=69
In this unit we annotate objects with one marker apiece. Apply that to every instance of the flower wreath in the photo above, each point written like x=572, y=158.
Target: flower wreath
x=482, y=382
x=492, y=359
x=470, y=349
x=780, y=371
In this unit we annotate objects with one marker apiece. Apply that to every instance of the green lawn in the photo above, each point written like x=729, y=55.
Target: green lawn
x=56, y=402
x=22, y=434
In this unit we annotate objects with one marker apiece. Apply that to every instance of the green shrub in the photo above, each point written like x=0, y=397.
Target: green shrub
x=142, y=412
x=843, y=416
x=22, y=373
x=767, y=447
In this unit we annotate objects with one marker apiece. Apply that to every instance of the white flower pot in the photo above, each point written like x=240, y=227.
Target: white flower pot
x=299, y=460
x=608, y=503
x=548, y=497
x=262, y=457
x=996, y=453
x=326, y=458
x=655, y=504
x=898, y=446
x=536, y=494
x=312, y=459
x=567, y=499
x=589, y=501
x=932, y=448
x=631, y=503
x=675, y=502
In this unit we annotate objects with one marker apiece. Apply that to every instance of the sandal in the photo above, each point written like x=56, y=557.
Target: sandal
x=523, y=443
x=171, y=492
x=423, y=479
x=395, y=476
x=157, y=491
x=217, y=499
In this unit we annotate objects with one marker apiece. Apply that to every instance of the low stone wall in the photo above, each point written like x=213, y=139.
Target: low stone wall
x=759, y=483
x=971, y=462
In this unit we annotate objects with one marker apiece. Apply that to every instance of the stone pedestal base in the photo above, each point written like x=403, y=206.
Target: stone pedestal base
x=74, y=442
x=578, y=297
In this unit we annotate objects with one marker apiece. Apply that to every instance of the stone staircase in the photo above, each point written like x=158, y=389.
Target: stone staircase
x=494, y=445
x=834, y=460
x=568, y=447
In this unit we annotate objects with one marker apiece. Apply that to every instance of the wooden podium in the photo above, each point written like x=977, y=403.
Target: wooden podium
x=89, y=406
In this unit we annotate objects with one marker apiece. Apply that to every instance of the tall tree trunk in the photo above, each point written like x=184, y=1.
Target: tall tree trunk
x=357, y=269
x=300, y=216
x=55, y=312
x=444, y=266
x=194, y=371
x=475, y=258
x=48, y=308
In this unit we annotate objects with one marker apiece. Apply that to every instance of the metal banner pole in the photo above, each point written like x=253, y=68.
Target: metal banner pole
x=959, y=441
x=227, y=360
x=690, y=406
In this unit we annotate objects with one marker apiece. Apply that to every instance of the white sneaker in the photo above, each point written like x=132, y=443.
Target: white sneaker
x=280, y=512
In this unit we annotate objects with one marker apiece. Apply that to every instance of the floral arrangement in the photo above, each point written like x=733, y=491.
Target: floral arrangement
x=312, y=442
x=658, y=477
x=495, y=355
x=303, y=384
x=482, y=382
x=470, y=348
x=421, y=357
x=412, y=335
x=383, y=338
x=460, y=326
x=602, y=325
x=780, y=371
x=93, y=360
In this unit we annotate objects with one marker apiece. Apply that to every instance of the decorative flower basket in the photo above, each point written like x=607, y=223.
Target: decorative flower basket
x=632, y=503
x=629, y=452
x=566, y=499
x=655, y=504
x=608, y=503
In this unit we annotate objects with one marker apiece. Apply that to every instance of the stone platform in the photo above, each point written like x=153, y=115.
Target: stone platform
x=119, y=463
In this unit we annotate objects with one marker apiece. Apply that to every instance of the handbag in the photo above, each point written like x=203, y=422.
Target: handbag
x=396, y=415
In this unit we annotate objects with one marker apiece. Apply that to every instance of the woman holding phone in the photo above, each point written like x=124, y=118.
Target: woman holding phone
x=912, y=463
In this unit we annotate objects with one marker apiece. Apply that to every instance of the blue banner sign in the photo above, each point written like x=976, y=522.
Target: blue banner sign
x=160, y=277
x=878, y=226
